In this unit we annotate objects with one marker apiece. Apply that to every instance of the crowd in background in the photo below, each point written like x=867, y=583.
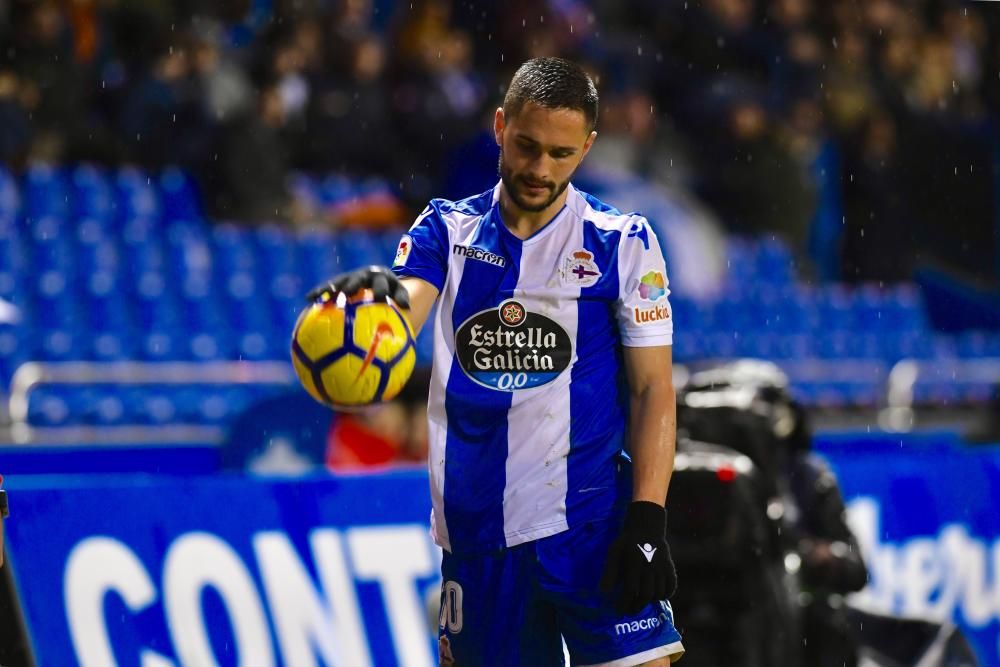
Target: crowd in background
x=862, y=124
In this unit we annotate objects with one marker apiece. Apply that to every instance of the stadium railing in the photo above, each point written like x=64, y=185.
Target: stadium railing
x=31, y=375
x=916, y=382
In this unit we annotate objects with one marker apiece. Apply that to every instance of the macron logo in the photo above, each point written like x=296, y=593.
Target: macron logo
x=647, y=550
x=479, y=254
x=641, y=624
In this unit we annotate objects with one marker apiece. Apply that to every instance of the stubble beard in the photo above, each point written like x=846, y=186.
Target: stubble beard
x=512, y=186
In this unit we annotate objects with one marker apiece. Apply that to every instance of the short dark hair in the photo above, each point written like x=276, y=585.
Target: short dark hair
x=554, y=83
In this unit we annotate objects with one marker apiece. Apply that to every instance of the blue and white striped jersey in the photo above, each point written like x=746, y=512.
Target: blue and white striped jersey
x=528, y=404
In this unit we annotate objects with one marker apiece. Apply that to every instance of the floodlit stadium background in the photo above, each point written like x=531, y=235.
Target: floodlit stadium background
x=175, y=176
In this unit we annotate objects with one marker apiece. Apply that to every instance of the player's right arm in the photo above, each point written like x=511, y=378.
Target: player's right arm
x=421, y=262
x=417, y=274
x=422, y=296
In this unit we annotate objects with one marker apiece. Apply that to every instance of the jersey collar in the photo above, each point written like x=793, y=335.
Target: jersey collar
x=544, y=230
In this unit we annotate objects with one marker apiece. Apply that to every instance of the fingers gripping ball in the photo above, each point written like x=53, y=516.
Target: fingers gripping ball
x=353, y=351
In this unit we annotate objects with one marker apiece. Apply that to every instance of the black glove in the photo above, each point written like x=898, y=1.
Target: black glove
x=639, y=568
x=379, y=279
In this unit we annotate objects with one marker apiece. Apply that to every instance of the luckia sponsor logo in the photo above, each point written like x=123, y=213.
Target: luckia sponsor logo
x=509, y=347
x=650, y=315
x=652, y=286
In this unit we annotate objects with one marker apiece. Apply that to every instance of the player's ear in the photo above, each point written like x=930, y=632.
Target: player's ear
x=499, y=122
x=588, y=143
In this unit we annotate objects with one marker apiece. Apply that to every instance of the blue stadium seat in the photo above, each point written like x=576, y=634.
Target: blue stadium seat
x=10, y=196
x=179, y=194
x=320, y=253
x=13, y=352
x=12, y=288
x=258, y=346
x=45, y=193
x=162, y=345
x=977, y=343
x=51, y=247
x=137, y=197
x=91, y=193
x=288, y=288
x=774, y=262
x=106, y=407
x=48, y=407
x=156, y=406
x=112, y=346
x=207, y=346
x=277, y=249
x=57, y=345
x=358, y=247
x=335, y=189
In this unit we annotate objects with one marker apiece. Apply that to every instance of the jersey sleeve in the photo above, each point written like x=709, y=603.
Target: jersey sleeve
x=645, y=318
x=423, y=251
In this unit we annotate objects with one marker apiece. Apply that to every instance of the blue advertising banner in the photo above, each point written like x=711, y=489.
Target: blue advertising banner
x=926, y=511
x=157, y=571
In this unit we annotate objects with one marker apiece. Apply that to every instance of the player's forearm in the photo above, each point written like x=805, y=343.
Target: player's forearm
x=422, y=296
x=653, y=429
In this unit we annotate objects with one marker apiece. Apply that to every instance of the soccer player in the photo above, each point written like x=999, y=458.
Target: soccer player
x=551, y=409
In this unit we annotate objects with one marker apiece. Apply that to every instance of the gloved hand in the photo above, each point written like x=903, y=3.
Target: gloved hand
x=379, y=279
x=639, y=568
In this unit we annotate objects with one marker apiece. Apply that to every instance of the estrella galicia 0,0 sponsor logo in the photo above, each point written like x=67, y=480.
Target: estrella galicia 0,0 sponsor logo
x=509, y=347
x=473, y=252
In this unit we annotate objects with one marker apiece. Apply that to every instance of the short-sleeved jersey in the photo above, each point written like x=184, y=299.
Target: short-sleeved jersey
x=527, y=407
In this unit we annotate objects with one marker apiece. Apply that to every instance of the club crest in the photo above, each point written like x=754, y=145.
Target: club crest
x=580, y=270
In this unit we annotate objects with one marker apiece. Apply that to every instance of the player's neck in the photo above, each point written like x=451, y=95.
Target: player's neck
x=523, y=224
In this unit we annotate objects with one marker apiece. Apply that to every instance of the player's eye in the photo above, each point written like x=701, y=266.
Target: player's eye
x=527, y=146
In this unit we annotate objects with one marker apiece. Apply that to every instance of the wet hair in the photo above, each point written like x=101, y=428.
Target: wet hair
x=553, y=83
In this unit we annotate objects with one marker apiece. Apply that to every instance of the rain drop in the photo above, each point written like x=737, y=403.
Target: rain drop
x=835, y=45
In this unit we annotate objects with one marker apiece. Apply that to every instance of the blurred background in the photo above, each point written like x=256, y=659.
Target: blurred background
x=822, y=175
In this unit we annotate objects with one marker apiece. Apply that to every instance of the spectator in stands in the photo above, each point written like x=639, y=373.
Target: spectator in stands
x=223, y=85
x=876, y=209
x=757, y=185
x=350, y=120
x=163, y=118
x=52, y=81
x=3, y=515
x=15, y=121
x=393, y=433
x=254, y=164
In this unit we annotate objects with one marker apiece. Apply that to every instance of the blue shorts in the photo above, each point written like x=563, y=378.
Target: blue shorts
x=511, y=607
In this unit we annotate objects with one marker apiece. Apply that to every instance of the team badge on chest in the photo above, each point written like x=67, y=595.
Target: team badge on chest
x=580, y=270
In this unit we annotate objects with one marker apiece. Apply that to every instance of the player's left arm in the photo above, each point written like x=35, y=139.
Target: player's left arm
x=639, y=567
x=652, y=420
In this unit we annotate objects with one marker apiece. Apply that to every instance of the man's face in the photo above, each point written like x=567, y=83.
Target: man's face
x=540, y=149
